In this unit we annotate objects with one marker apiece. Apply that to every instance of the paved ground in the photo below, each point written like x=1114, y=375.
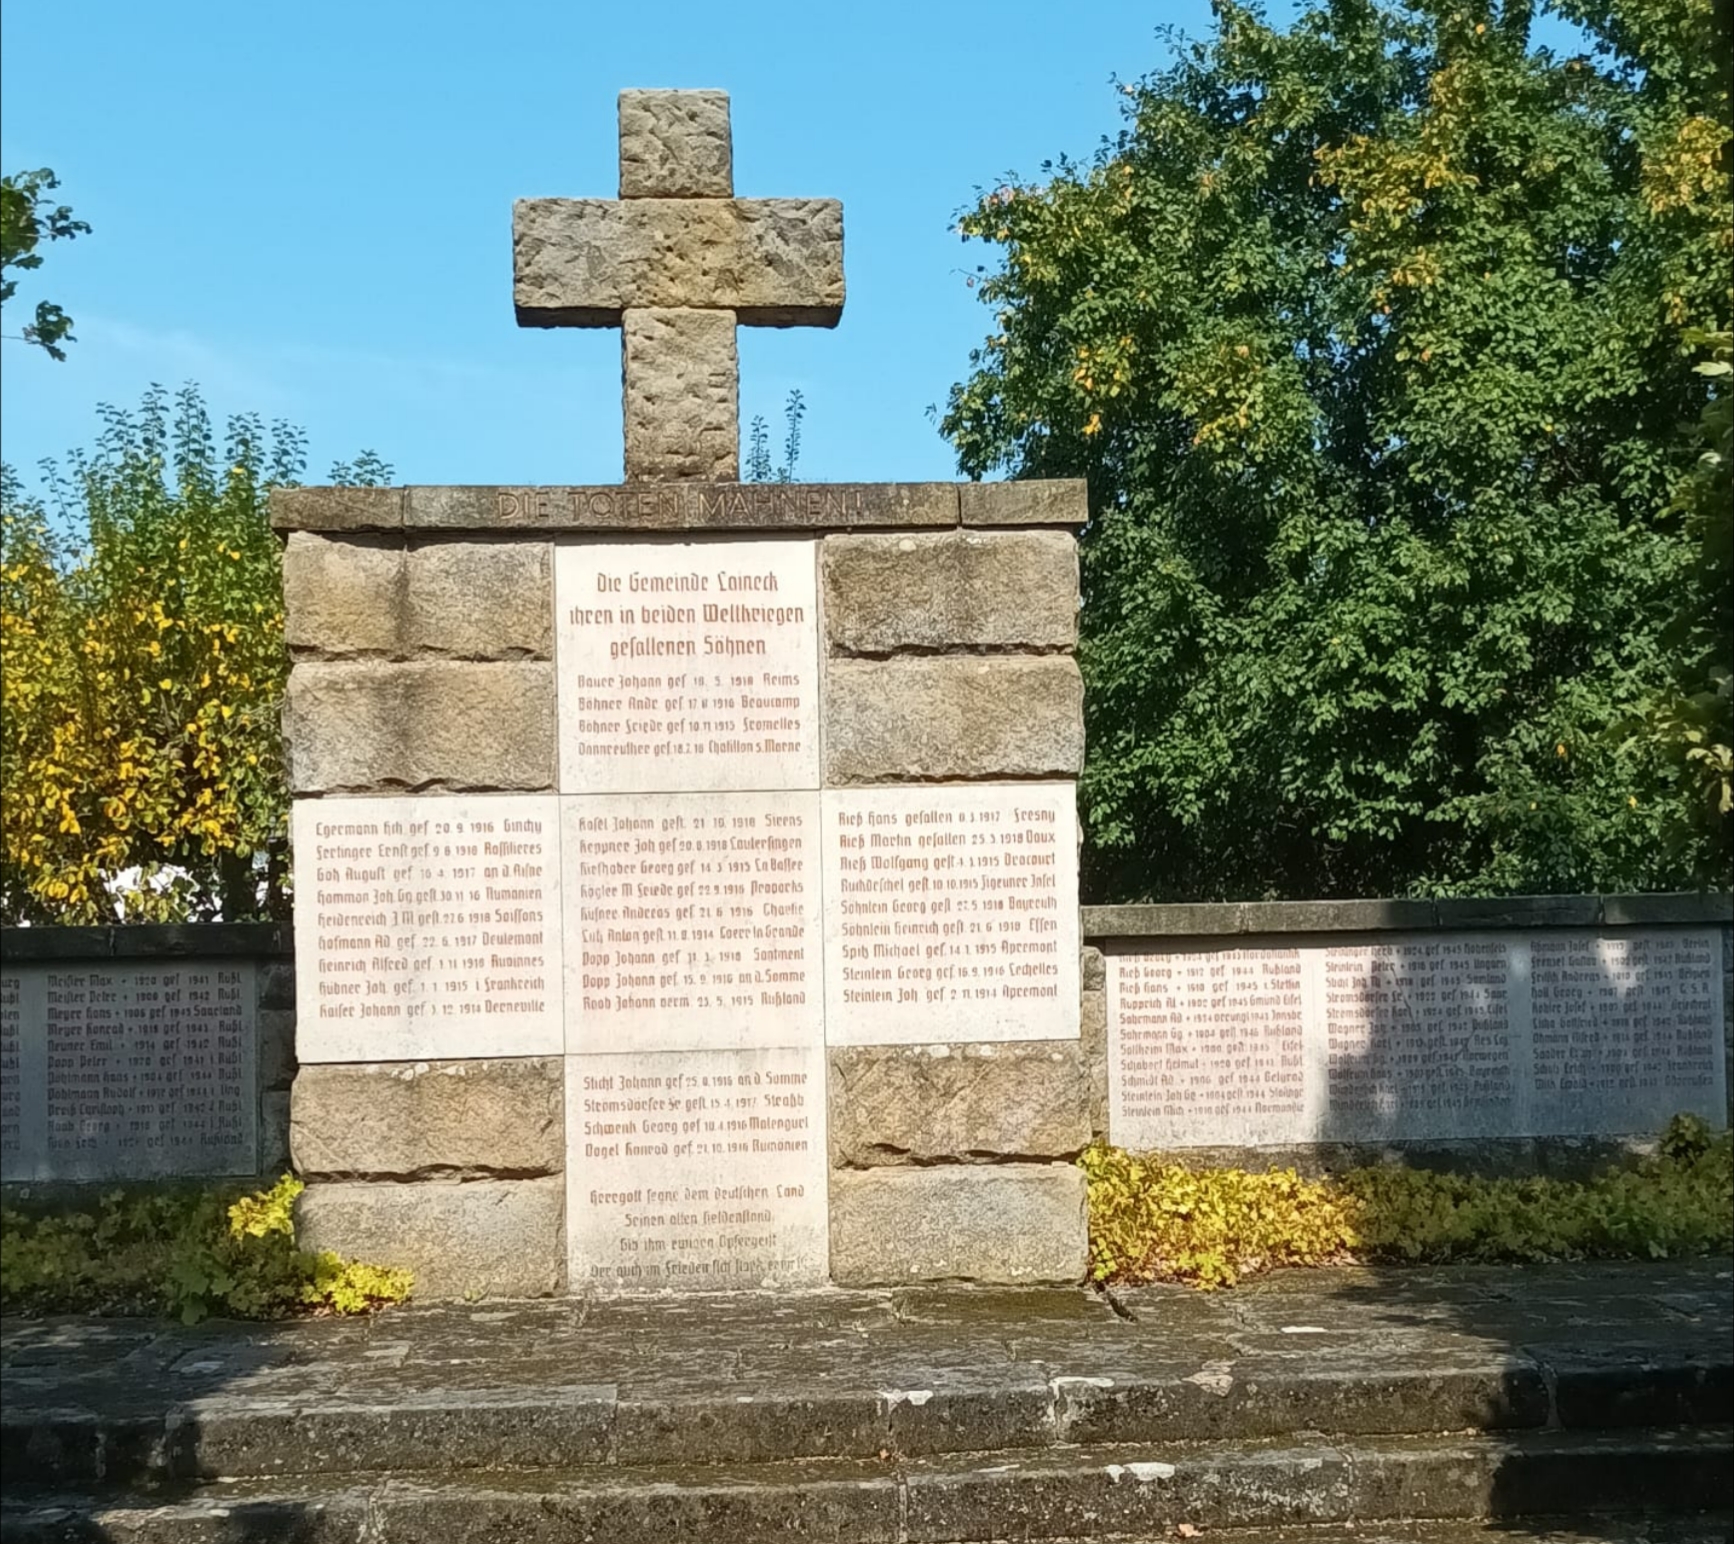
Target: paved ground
x=909, y=1371
x=1296, y=1410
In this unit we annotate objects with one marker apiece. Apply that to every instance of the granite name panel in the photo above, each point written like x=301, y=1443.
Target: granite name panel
x=1435, y=1037
x=124, y=1070
x=687, y=666
x=697, y=1170
x=428, y=927
x=951, y=913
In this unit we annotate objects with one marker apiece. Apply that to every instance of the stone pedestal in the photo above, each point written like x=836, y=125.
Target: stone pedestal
x=687, y=883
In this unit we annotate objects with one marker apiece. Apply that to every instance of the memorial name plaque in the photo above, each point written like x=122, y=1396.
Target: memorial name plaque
x=11, y=1072
x=951, y=913
x=687, y=666
x=1419, y=1039
x=1433, y=1037
x=125, y=1071
x=696, y=1170
x=1208, y=1047
x=694, y=921
x=1628, y=1024
x=427, y=927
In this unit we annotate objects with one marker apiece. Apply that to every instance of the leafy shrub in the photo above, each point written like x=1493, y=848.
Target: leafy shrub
x=187, y=1253
x=1156, y=1220
x=1153, y=1220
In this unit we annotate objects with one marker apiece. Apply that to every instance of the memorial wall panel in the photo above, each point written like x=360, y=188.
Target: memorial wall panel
x=695, y=920
x=1624, y=1028
x=696, y=1170
x=1418, y=1039
x=951, y=913
x=1207, y=1047
x=687, y=666
x=116, y=1070
x=1415, y=1038
x=427, y=927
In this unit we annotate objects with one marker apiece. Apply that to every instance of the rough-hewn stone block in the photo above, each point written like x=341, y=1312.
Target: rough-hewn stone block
x=336, y=509
x=681, y=395
x=421, y=1120
x=492, y=1238
x=273, y=1133
x=1093, y=1041
x=276, y=1047
x=907, y=720
x=461, y=600
x=480, y=600
x=1055, y=501
x=342, y=597
x=675, y=144
x=424, y=726
x=774, y=262
x=957, y=1103
x=1092, y=970
x=1002, y=1224
x=960, y=590
x=277, y=985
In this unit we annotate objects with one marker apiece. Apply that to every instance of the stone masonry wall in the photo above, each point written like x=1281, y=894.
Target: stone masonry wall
x=951, y=656
x=420, y=628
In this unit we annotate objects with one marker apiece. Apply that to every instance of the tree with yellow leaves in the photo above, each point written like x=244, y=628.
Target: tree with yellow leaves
x=142, y=668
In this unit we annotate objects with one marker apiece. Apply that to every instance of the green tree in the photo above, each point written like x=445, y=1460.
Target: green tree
x=142, y=667
x=28, y=217
x=1371, y=337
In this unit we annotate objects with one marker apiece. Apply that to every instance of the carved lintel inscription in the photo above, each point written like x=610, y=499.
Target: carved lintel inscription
x=671, y=506
x=427, y=927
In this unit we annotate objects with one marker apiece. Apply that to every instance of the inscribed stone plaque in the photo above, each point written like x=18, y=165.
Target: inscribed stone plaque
x=11, y=1073
x=687, y=666
x=427, y=927
x=1206, y=1048
x=1627, y=1031
x=951, y=913
x=124, y=1071
x=696, y=921
x=1419, y=1038
x=696, y=1171
x=1423, y=1037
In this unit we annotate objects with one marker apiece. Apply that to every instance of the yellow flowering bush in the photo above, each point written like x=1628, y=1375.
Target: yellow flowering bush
x=143, y=664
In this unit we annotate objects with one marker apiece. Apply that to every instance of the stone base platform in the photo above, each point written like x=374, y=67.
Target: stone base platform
x=1303, y=1401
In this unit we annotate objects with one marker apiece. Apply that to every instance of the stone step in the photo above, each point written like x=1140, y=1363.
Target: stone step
x=284, y=1425
x=1129, y=1493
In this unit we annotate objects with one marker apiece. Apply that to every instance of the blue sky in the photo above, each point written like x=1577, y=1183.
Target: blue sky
x=307, y=209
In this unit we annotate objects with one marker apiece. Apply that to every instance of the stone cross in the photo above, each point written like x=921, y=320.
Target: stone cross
x=677, y=262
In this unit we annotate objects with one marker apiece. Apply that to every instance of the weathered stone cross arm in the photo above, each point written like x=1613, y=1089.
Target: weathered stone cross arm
x=585, y=262
x=676, y=262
